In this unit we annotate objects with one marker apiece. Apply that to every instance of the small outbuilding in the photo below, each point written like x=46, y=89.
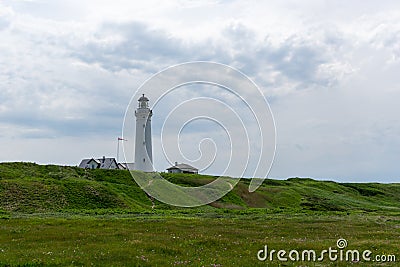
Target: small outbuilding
x=182, y=168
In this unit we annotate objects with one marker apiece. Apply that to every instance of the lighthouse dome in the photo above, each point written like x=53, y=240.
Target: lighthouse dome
x=143, y=102
x=143, y=98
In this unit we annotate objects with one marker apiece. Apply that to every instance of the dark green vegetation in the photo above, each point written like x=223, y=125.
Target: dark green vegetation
x=53, y=215
x=31, y=188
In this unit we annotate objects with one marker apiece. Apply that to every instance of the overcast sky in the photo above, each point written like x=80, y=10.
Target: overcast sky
x=329, y=69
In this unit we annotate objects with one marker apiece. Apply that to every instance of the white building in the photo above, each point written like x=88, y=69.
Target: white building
x=182, y=168
x=143, y=142
x=102, y=163
x=105, y=163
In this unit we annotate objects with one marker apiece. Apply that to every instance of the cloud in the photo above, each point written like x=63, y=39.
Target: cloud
x=45, y=89
x=137, y=46
x=330, y=72
x=6, y=14
x=129, y=46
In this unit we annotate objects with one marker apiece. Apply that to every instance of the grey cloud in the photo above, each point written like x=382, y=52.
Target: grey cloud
x=139, y=46
x=4, y=23
x=96, y=95
x=302, y=62
x=298, y=62
x=39, y=125
x=5, y=17
x=297, y=58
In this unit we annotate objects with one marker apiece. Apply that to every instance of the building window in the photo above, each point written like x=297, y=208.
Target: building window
x=144, y=160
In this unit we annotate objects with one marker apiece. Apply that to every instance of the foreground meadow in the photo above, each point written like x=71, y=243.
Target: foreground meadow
x=66, y=216
x=190, y=240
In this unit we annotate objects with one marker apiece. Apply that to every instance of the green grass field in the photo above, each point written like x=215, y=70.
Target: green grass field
x=65, y=216
x=189, y=241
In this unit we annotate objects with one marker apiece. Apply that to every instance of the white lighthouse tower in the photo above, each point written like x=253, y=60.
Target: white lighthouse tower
x=143, y=146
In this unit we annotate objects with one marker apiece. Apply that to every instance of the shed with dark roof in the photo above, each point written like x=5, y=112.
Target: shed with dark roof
x=182, y=168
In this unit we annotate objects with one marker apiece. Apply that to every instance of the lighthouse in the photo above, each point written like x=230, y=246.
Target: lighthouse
x=143, y=146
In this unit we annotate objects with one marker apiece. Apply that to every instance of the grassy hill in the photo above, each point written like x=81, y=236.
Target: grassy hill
x=32, y=188
x=66, y=216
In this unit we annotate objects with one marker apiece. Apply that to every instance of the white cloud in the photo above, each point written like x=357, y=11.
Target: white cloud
x=330, y=70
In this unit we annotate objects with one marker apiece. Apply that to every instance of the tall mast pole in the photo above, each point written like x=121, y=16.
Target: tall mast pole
x=118, y=149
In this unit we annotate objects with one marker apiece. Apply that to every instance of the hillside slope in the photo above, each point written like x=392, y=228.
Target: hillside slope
x=28, y=187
